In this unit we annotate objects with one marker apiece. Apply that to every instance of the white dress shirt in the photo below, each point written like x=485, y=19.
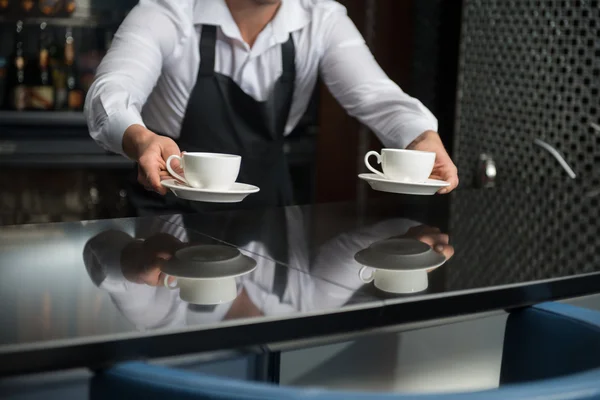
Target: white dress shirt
x=151, y=68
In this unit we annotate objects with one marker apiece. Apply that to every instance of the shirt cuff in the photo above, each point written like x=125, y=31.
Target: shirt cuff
x=410, y=131
x=117, y=125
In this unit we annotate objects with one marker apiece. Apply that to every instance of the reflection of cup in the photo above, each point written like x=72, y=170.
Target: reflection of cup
x=396, y=281
x=205, y=291
x=403, y=165
x=207, y=170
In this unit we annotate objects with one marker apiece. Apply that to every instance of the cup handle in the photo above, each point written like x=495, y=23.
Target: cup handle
x=166, y=283
x=172, y=172
x=361, y=275
x=367, y=156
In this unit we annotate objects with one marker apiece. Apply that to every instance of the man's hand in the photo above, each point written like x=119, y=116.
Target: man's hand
x=141, y=261
x=439, y=242
x=444, y=169
x=151, y=152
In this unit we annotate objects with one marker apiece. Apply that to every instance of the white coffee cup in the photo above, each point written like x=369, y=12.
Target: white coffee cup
x=205, y=291
x=396, y=281
x=212, y=171
x=403, y=165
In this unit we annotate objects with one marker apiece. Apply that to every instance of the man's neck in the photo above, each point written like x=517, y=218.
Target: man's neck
x=251, y=16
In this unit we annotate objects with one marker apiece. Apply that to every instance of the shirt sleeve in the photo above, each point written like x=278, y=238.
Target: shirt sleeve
x=356, y=80
x=129, y=71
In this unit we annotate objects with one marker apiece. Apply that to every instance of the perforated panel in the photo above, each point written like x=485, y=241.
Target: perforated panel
x=520, y=233
x=530, y=69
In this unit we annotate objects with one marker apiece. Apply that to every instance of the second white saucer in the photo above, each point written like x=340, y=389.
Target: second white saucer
x=235, y=194
x=427, y=188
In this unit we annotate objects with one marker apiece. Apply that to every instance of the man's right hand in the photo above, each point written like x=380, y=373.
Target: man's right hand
x=151, y=152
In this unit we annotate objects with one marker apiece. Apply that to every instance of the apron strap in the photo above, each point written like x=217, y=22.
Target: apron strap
x=208, y=43
x=288, y=60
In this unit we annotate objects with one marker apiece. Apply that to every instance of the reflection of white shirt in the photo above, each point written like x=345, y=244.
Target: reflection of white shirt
x=151, y=68
x=326, y=282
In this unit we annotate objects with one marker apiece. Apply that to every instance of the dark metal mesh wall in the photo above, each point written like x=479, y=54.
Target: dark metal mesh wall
x=519, y=233
x=529, y=69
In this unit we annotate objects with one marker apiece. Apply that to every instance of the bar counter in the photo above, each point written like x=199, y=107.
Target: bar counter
x=89, y=294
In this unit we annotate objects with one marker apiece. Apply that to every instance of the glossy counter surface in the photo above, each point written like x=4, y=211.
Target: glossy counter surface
x=91, y=293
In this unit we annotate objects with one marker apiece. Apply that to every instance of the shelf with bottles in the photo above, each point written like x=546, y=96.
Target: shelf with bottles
x=108, y=21
x=49, y=68
x=37, y=8
x=79, y=13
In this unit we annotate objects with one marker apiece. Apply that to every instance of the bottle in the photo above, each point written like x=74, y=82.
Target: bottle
x=57, y=66
x=70, y=6
x=41, y=92
x=27, y=5
x=75, y=96
x=4, y=6
x=50, y=7
x=16, y=98
x=3, y=76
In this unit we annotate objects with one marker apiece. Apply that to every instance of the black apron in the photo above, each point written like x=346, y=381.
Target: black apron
x=221, y=118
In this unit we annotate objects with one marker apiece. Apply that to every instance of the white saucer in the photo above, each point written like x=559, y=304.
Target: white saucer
x=209, y=262
x=400, y=254
x=429, y=187
x=398, y=265
x=237, y=193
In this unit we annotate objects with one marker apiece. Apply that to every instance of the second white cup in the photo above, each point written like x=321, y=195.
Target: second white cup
x=396, y=281
x=211, y=171
x=403, y=165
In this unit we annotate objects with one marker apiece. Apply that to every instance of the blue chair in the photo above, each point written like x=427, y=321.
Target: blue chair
x=553, y=346
x=550, y=340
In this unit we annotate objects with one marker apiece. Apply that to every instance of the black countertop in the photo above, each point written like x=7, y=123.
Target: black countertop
x=82, y=294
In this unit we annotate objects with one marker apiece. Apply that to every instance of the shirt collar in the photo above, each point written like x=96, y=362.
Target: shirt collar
x=291, y=16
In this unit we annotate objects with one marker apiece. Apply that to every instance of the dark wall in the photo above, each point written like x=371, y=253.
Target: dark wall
x=530, y=70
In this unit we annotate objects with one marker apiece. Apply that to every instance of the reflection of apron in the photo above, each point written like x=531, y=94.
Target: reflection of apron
x=269, y=227
x=221, y=118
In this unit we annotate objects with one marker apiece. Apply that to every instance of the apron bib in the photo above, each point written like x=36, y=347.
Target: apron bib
x=221, y=118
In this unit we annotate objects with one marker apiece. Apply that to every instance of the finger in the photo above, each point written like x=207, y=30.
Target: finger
x=452, y=179
x=164, y=175
x=435, y=239
x=445, y=249
x=151, y=174
x=152, y=279
x=170, y=148
x=144, y=182
x=156, y=186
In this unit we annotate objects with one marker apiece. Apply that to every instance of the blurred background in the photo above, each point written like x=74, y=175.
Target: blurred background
x=498, y=74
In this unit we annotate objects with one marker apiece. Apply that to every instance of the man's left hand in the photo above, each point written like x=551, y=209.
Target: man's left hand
x=444, y=169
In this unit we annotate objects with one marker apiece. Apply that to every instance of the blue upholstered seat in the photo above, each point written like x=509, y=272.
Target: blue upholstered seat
x=553, y=347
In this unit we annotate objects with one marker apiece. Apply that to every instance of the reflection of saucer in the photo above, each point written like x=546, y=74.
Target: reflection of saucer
x=399, y=265
x=206, y=273
x=209, y=262
x=429, y=187
x=400, y=254
x=235, y=194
